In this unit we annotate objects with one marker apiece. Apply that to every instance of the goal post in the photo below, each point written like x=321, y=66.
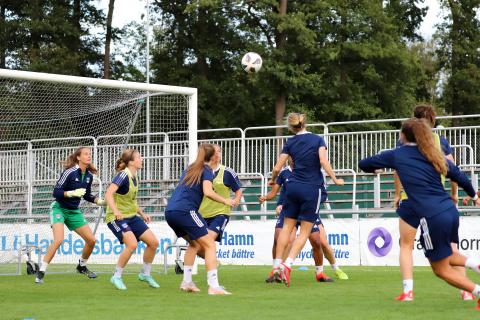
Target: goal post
x=45, y=117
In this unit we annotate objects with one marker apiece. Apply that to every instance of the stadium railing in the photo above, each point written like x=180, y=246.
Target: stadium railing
x=25, y=164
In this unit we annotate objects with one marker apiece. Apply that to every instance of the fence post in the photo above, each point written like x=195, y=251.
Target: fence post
x=29, y=180
x=376, y=191
x=242, y=152
x=166, y=159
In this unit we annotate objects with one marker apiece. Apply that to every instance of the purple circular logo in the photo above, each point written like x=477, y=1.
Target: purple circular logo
x=387, y=242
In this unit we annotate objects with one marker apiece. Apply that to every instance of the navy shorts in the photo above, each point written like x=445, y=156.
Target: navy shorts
x=134, y=224
x=302, y=201
x=217, y=224
x=187, y=224
x=281, y=218
x=438, y=232
x=407, y=214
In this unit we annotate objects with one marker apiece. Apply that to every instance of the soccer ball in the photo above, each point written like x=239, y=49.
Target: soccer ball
x=251, y=62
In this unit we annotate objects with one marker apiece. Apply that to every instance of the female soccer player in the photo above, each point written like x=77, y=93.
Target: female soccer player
x=126, y=219
x=304, y=193
x=74, y=183
x=408, y=225
x=216, y=214
x=318, y=237
x=419, y=165
x=181, y=215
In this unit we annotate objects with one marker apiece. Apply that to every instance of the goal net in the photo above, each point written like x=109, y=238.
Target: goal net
x=44, y=118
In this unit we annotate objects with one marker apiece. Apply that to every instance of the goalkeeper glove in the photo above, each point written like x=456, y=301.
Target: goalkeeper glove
x=77, y=193
x=101, y=202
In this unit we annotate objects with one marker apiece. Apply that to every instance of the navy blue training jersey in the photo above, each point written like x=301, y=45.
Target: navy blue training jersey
x=230, y=178
x=282, y=180
x=187, y=198
x=303, y=148
x=71, y=179
x=421, y=182
x=123, y=183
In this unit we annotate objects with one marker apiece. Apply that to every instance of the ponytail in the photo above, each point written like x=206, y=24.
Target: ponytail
x=418, y=131
x=425, y=111
x=296, y=122
x=72, y=160
x=194, y=171
x=124, y=159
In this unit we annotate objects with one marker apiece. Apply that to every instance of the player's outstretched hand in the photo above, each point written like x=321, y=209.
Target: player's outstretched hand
x=236, y=202
x=118, y=215
x=467, y=199
x=146, y=218
x=230, y=202
x=339, y=182
x=262, y=199
x=77, y=193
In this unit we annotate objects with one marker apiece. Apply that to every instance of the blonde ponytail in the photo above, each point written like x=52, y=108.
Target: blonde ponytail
x=296, y=122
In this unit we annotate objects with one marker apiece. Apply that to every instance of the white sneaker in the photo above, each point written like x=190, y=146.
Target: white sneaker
x=467, y=296
x=218, y=291
x=189, y=287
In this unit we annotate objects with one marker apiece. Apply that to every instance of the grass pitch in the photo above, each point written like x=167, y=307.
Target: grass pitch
x=368, y=294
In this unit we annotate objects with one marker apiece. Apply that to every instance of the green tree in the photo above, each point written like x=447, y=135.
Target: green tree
x=200, y=45
x=54, y=36
x=128, y=59
x=458, y=43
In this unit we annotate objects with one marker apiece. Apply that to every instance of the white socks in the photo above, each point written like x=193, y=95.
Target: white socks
x=146, y=269
x=277, y=263
x=187, y=274
x=473, y=264
x=334, y=266
x=476, y=291
x=82, y=262
x=318, y=269
x=212, y=278
x=288, y=262
x=118, y=272
x=407, y=285
x=44, y=266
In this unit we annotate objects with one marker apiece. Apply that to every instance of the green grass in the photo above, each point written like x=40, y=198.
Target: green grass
x=367, y=295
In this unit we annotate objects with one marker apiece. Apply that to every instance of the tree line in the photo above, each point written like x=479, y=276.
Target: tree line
x=335, y=60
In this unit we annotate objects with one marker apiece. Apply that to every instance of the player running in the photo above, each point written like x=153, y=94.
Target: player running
x=318, y=238
x=74, y=183
x=182, y=216
x=216, y=214
x=407, y=225
x=420, y=165
x=304, y=193
x=127, y=220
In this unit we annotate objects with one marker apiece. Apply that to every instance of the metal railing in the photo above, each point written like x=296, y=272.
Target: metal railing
x=166, y=156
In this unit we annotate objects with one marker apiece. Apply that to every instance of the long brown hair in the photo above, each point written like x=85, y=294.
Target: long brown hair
x=296, y=122
x=124, y=159
x=195, y=170
x=72, y=160
x=418, y=131
x=425, y=111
